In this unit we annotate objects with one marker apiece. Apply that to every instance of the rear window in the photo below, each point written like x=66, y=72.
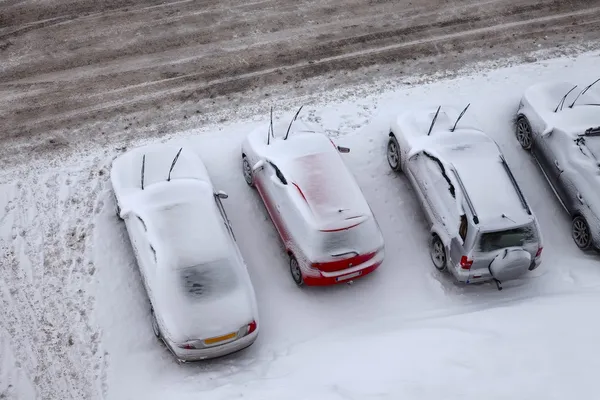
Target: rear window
x=517, y=237
x=208, y=280
x=361, y=238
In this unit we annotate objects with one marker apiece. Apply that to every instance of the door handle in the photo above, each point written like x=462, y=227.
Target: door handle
x=557, y=165
x=580, y=198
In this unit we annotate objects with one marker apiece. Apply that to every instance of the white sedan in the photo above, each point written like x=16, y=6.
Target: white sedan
x=203, y=304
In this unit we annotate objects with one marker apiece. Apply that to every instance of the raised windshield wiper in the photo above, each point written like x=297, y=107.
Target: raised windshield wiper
x=562, y=101
x=583, y=92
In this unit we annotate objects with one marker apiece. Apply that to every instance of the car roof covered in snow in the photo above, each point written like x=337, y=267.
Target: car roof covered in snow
x=310, y=160
x=544, y=98
x=488, y=185
x=182, y=223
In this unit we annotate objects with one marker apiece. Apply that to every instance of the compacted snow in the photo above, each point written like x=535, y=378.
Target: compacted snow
x=406, y=331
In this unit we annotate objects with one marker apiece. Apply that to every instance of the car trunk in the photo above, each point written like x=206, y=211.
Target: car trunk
x=344, y=248
x=505, y=254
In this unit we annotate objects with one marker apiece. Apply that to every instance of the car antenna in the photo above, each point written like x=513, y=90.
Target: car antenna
x=434, y=119
x=270, y=131
x=143, y=168
x=459, y=117
x=173, y=164
x=291, y=122
x=562, y=101
x=583, y=92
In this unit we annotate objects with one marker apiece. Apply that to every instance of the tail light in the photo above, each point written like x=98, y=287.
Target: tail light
x=465, y=263
x=539, y=252
x=251, y=327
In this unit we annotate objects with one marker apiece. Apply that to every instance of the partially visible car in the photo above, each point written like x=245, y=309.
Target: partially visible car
x=329, y=231
x=203, y=303
x=560, y=125
x=481, y=225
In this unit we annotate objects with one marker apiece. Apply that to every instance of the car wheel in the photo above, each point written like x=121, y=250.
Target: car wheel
x=393, y=154
x=524, y=133
x=581, y=233
x=295, y=271
x=438, y=253
x=247, y=171
x=155, y=327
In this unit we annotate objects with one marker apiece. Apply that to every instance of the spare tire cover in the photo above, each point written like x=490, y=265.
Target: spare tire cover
x=510, y=264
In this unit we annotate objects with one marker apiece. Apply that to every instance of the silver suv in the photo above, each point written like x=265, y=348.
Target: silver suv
x=482, y=227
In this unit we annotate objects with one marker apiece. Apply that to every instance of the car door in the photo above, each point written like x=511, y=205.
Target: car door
x=224, y=217
x=145, y=254
x=549, y=152
x=420, y=182
x=270, y=185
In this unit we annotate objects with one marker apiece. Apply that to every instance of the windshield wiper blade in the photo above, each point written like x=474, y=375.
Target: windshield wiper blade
x=562, y=101
x=583, y=92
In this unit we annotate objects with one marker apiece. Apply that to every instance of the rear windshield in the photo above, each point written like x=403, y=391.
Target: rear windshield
x=517, y=237
x=208, y=280
x=361, y=238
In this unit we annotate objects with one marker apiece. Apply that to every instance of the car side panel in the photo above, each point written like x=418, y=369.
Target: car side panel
x=263, y=182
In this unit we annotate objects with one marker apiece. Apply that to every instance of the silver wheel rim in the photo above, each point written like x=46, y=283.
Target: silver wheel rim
x=155, y=326
x=581, y=235
x=295, y=269
x=438, y=255
x=524, y=134
x=247, y=171
x=392, y=154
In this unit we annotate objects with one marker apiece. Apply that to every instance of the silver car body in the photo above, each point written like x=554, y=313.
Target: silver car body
x=461, y=178
x=567, y=156
x=202, y=298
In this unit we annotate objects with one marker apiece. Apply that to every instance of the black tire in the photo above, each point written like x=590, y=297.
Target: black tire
x=155, y=327
x=247, y=171
x=438, y=254
x=295, y=271
x=524, y=133
x=580, y=232
x=393, y=154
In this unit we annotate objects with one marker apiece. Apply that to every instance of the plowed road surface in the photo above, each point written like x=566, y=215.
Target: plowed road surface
x=71, y=71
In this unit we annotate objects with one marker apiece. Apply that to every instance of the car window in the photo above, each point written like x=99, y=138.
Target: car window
x=517, y=237
x=279, y=174
x=463, y=228
x=209, y=280
x=438, y=173
x=142, y=222
x=153, y=253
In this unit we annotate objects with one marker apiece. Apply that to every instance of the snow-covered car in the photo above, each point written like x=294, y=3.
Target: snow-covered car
x=203, y=303
x=329, y=231
x=560, y=125
x=482, y=227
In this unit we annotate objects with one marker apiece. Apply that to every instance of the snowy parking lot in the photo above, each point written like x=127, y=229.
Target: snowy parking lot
x=75, y=321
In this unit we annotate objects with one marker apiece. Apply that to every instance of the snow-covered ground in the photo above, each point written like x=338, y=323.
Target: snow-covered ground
x=75, y=322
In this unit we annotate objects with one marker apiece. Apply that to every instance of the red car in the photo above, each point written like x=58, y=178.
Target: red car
x=324, y=221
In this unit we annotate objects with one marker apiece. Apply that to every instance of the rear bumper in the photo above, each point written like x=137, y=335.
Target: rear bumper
x=483, y=275
x=345, y=275
x=186, y=355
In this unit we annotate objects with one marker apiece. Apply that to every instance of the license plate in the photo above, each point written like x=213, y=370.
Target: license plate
x=220, y=338
x=349, y=276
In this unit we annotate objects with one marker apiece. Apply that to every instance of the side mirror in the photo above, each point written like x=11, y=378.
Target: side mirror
x=548, y=131
x=342, y=149
x=258, y=166
x=221, y=194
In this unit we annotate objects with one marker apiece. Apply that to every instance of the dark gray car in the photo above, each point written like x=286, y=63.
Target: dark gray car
x=560, y=124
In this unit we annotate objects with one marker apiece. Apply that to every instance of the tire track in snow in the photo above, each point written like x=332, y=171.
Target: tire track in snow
x=46, y=301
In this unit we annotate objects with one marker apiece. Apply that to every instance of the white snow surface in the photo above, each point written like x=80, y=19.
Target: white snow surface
x=406, y=331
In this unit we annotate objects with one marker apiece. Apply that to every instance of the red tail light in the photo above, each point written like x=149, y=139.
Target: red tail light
x=251, y=327
x=539, y=252
x=465, y=263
